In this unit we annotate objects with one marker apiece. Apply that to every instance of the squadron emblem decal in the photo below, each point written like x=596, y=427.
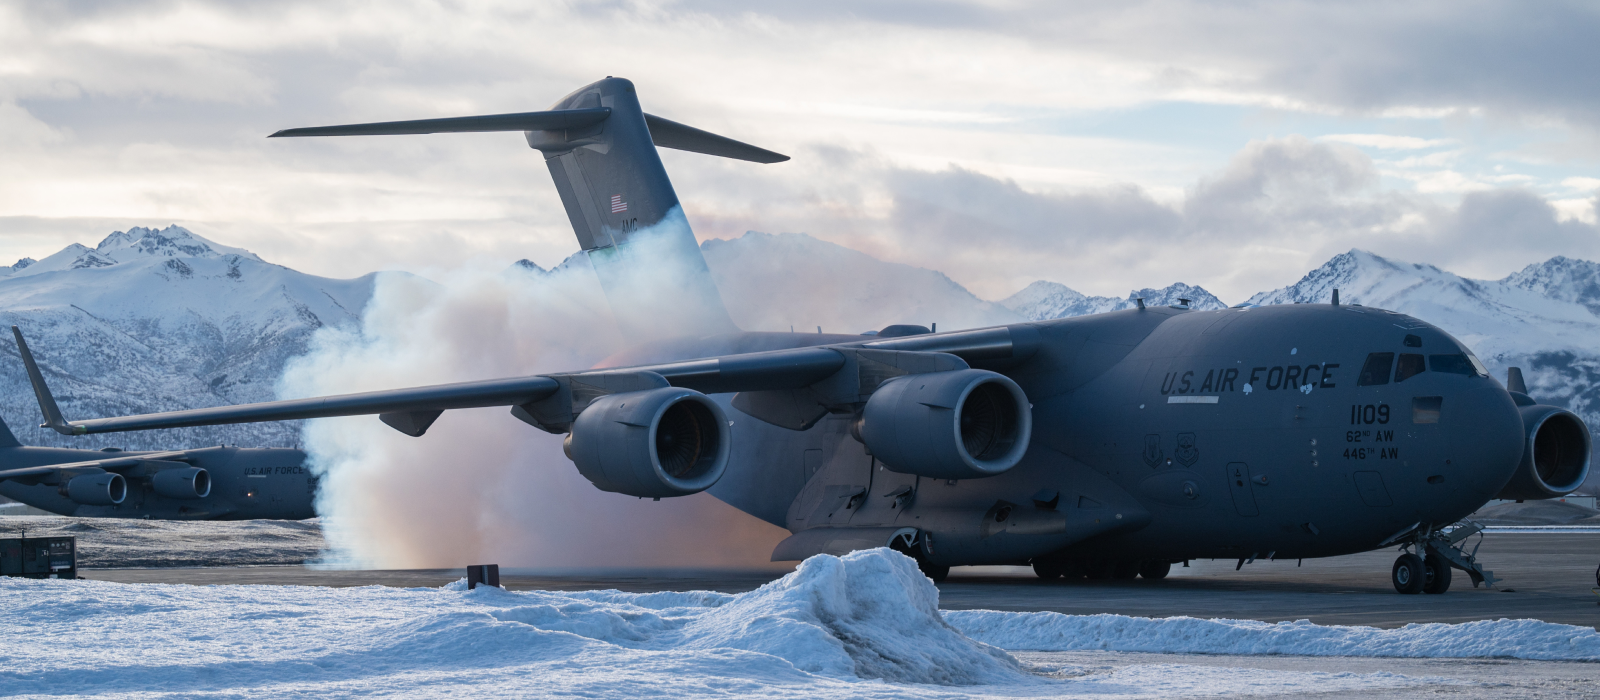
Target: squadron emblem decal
x=1186, y=452
x=1152, y=450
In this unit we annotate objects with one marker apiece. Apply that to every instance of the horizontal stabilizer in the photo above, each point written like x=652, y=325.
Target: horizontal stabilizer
x=664, y=132
x=554, y=120
x=670, y=134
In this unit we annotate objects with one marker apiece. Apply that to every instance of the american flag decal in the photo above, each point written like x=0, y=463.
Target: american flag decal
x=617, y=205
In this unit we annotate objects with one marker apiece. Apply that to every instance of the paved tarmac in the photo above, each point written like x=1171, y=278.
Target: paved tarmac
x=1546, y=576
x=1415, y=678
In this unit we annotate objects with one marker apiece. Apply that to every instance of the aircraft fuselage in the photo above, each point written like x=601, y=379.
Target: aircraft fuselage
x=1171, y=434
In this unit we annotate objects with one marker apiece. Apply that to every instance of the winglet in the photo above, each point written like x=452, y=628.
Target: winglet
x=47, y=403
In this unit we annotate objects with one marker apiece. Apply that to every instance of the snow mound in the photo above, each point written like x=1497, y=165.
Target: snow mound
x=869, y=615
x=1047, y=631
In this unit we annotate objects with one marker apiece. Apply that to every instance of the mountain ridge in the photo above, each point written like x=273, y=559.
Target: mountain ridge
x=162, y=319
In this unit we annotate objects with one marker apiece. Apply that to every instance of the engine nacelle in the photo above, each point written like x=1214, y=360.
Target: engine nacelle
x=98, y=489
x=182, y=483
x=652, y=444
x=1555, y=460
x=962, y=424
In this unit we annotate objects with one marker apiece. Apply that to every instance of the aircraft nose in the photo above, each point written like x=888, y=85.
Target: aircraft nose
x=1486, y=435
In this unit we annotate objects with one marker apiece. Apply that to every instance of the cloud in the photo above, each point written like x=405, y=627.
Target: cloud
x=1055, y=133
x=1278, y=207
x=1387, y=141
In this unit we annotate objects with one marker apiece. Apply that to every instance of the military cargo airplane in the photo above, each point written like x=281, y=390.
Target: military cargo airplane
x=212, y=483
x=1112, y=445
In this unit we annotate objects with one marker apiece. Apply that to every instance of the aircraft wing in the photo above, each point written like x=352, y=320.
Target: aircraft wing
x=412, y=410
x=769, y=370
x=108, y=464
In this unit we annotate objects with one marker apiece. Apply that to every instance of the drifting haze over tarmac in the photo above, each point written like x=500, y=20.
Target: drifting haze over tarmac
x=1231, y=146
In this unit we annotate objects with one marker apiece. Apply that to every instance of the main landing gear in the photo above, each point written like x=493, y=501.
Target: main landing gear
x=1425, y=565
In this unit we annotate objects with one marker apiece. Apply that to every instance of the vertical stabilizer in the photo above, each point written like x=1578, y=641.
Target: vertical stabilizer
x=6, y=438
x=601, y=150
x=628, y=219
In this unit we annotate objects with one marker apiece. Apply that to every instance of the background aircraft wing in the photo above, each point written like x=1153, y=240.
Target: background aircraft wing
x=108, y=464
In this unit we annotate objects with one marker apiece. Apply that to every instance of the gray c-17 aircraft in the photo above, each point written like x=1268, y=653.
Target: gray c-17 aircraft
x=211, y=483
x=1111, y=445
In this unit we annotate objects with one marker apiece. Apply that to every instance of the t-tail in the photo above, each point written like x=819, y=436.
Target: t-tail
x=601, y=151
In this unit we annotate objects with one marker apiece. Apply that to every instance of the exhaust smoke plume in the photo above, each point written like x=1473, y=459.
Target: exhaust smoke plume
x=481, y=486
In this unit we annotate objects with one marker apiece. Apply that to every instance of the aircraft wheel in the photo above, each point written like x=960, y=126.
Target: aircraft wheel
x=1127, y=569
x=1408, y=575
x=1047, y=570
x=1155, y=570
x=933, y=571
x=1072, y=569
x=1099, y=569
x=1436, y=577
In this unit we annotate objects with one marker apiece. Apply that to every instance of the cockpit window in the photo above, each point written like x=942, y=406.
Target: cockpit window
x=1452, y=364
x=1410, y=366
x=1477, y=365
x=1376, y=371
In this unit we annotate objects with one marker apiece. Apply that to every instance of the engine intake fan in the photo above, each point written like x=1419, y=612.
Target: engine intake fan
x=651, y=444
x=1555, y=461
x=961, y=424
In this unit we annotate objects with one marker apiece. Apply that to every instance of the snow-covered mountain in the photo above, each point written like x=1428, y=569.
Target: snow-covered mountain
x=1043, y=300
x=161, y=320
x=1544, y=319
x=771, y=282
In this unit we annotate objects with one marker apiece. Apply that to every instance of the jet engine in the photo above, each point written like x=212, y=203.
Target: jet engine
x=97, y=489
x=652, y=444
x=1555, y=460
x=961, y=424
x=183, y=483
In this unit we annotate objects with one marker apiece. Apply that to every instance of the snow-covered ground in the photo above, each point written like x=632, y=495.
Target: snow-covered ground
x=865, y=625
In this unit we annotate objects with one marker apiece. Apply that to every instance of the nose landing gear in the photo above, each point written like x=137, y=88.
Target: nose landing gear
x=1407, y=575
x=1441, y=551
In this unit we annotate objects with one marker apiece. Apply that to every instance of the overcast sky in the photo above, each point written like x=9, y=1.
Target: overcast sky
x=1231, y=145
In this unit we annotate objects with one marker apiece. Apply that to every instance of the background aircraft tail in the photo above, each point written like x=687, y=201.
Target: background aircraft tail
x=6, y=438
x=601, y=151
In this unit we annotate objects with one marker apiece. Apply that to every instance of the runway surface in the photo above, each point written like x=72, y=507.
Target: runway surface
x=1546, y=576
x=1447, y=678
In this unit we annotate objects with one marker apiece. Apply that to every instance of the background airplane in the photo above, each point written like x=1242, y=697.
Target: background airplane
x=1107, y=445
x=210, y=483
